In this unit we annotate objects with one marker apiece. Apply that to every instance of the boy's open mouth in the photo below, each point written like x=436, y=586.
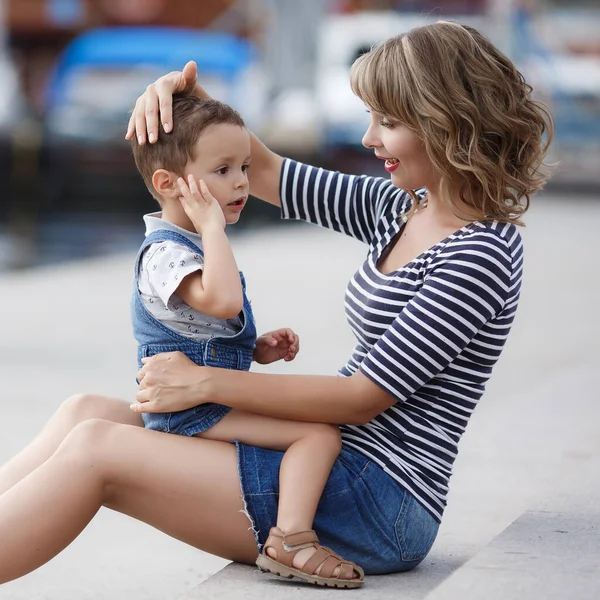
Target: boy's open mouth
x=237, y=204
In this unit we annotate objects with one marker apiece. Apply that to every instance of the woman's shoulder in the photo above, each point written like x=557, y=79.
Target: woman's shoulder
x=484, y=240
x=501, y=234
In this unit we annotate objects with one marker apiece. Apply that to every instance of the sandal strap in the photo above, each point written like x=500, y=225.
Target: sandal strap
x=316, y=560
x=353, y=566
x=288, y=545
x=329, y=566
x=346, y=571
x=284, y=550
x=299, y=539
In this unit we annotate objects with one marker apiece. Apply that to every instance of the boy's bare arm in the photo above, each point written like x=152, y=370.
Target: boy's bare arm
x=217, y=289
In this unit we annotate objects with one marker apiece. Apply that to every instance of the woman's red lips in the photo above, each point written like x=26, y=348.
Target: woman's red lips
x=391, y=165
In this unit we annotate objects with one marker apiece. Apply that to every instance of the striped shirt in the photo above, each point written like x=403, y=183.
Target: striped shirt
x=428, y=333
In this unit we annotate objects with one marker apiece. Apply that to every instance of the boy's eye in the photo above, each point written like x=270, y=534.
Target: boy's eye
x=245, y=168
x=223, y=170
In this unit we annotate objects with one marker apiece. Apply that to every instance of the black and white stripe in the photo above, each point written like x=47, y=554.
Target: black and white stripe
x=429, y=333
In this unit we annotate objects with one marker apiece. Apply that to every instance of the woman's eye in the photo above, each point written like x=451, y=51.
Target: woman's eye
x=386, y=124
x=223, y=170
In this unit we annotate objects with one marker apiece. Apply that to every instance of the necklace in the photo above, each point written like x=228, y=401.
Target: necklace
x=421, y=205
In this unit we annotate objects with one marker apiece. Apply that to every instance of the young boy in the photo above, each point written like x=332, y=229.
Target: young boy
x=189, y=296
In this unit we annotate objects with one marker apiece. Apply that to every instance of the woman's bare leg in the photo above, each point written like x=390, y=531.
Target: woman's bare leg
x=71, y=412
x=187, y=487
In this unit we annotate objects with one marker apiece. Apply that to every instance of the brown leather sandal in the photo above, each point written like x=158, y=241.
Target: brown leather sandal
x=288, y=545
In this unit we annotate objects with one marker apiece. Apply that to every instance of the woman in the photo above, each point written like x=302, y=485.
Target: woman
x=431, y=308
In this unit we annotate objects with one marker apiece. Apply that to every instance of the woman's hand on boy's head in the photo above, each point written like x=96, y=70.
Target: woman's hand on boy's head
x=276, y=345
x=157, y=101
x=200, y=205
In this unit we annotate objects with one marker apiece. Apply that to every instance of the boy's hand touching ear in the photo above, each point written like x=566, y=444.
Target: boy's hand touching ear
x=276, y=345
x=200, y=205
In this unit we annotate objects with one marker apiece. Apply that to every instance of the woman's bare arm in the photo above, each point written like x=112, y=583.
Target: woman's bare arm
x=156, y=104
x=171, y=382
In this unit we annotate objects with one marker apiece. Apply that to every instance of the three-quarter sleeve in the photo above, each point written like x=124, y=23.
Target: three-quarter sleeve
x=465, y=286
x=350, y=204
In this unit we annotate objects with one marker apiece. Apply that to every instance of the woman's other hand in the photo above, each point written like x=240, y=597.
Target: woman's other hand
x=158, y=100
x=276, y=345
x=169, y=382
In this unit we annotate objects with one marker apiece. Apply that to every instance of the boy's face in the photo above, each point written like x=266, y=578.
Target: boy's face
x=222, y=161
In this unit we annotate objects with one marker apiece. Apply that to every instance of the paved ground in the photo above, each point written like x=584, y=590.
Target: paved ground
x=66, y=330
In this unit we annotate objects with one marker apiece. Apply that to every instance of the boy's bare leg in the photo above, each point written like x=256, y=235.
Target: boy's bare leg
x=310, y=451
x=71, y=412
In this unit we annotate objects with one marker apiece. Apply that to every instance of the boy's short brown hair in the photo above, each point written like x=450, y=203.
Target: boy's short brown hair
x=172, y=151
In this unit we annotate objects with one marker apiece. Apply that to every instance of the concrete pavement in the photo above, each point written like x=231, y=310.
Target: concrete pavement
x=66, y=330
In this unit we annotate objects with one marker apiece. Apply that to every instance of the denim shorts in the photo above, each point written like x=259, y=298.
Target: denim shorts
x=186, y=422
x=364, y=514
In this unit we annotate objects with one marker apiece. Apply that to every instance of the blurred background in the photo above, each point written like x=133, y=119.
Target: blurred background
x=70, y=71
x=72, y=203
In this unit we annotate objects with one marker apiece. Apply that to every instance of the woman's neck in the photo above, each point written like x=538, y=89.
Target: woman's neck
x=456, y=212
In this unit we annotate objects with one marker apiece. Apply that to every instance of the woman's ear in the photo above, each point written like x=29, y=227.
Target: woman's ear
x=165, y=183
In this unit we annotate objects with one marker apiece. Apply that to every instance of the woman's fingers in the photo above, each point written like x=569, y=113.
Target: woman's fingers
x=143, y=402
x=131, y=124
x=150, y=114
x=139, y=120
x=165, y=87
x=143, y=372
x=189, y=77
x=141, y=375
x=177, y=82
x=155, y=105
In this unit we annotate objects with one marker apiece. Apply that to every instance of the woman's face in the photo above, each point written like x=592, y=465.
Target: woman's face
x=403, y=152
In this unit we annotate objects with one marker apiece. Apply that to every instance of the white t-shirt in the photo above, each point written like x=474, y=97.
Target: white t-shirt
x=162, y=268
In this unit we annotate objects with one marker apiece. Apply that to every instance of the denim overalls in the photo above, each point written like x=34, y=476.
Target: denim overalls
x=154, y=337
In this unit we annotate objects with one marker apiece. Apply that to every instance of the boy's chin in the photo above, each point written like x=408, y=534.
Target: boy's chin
x=232, y=219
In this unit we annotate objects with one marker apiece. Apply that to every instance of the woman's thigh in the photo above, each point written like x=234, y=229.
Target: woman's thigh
x=185, y=486
x=73, y=411
x=363, y=514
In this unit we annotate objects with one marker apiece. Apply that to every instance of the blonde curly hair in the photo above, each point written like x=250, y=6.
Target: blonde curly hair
x=470, y=106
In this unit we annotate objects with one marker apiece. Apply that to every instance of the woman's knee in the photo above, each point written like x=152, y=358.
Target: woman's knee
x=87, y=441
x=81, y=407
x=87, y=453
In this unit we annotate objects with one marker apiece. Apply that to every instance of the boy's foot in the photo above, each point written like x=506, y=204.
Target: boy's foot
x=300, y=555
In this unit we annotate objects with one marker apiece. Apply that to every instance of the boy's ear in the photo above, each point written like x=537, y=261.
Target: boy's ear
x=164, y=182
